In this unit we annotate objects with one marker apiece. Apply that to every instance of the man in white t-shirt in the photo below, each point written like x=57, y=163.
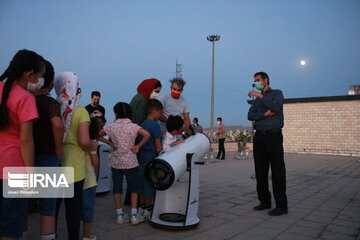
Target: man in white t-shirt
x=174, y=104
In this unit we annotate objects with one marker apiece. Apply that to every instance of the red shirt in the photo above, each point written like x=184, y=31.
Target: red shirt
x=21, y=108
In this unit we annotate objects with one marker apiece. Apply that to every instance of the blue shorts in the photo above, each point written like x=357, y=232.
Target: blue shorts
x=131, y=175
x=13, y=215
x=88, y=204
x=47, y=206
x=145, y=187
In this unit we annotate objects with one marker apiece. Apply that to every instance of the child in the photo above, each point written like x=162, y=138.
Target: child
x=148, y=152
x=17, y=113
x=89, y=189
x=123, y=160
x=48, y=138
x=77, y=143
x=174, y=126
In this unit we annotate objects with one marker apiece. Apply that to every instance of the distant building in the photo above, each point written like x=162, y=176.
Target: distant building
x=354, y=90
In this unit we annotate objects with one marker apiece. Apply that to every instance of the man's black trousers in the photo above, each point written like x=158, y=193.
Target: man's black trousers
x=268, y=151
x=221, y=153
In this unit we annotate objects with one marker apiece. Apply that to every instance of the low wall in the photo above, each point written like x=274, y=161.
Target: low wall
x=230, y=146
x=328, y=125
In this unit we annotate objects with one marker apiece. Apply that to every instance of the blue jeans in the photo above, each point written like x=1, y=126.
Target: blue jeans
x=47, y=206
x=88, y=203
x=146, y=188
x=13, y=215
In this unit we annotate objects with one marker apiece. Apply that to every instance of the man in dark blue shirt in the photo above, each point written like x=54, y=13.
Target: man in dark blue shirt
x=266, y=112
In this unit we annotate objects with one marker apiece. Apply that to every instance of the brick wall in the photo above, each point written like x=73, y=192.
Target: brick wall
x=322, y=126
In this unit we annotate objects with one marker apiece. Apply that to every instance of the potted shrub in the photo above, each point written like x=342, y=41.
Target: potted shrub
x=241, y=139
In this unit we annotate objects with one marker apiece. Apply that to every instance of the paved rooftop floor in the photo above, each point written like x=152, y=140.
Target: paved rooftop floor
x=323, y=194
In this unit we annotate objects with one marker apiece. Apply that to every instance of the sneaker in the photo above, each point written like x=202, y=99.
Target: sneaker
x=92, y=237
x=141, y=211
x=122, y=218
x=134, y=219
x=141, y=218
x=147, y=213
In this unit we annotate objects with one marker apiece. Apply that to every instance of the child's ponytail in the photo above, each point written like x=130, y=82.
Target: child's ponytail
x=4, y=116
x=23, y=61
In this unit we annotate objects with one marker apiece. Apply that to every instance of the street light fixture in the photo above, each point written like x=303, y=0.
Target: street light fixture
x=213, y=39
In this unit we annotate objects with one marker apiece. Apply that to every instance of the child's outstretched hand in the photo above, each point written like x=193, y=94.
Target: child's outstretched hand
x=135, y=149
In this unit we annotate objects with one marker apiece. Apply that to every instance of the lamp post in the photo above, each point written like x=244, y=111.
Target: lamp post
x=213, y=39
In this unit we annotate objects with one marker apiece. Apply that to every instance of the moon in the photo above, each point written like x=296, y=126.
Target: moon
x=302, y=62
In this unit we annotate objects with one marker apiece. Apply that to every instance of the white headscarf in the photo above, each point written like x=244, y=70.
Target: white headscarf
x=67, y=88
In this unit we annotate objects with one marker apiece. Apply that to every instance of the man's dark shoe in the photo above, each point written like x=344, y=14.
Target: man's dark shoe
x=262, y=207
x=278, y=211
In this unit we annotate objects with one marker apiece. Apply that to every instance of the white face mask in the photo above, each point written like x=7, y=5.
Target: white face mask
x=154, y=95
x=33, y=87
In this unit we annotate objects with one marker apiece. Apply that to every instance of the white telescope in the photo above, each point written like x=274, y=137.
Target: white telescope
x=175, y=176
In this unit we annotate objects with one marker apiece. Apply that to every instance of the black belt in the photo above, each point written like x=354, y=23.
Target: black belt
x=267, y=131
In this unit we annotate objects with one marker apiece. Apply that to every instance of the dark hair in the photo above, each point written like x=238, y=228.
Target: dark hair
x=96, y=124
x=178, y=81
x=158, y=84
x=153, y=105
x=48, y=75
x=122, y=110
x=174, y=123
x=95, y=93
x=263, y=75
x=219, y=118
x=196, y=119
x=23, y=61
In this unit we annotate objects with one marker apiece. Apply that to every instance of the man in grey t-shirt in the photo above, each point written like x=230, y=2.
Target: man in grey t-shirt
x=174, y=104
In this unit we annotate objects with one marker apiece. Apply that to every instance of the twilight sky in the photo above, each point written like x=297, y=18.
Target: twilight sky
x=113, y=45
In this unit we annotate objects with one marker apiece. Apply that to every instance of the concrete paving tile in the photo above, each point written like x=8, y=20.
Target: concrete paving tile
x=316, y=218
x=324, y=213
x=274, y=226
x=304, y=231
x=342, y=222
x=329, y=235
x=257, y=233
x=311, y=224
x=212, y=221
x=225, y=230
x=291, y=236
x=238, y=211
x=225, y=215
x=348, y=218
x=350, y=230
x=199, y=236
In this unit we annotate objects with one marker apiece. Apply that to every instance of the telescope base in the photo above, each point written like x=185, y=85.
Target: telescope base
x=157, y=223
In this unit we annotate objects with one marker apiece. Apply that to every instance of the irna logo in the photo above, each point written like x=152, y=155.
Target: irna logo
x=34, y=180
x=38, y=182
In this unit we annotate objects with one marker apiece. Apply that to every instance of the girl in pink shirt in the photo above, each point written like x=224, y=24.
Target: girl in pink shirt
x=17, y=112
x=123, y=161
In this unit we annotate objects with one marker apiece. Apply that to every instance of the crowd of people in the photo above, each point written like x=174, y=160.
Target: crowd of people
x=38, y=130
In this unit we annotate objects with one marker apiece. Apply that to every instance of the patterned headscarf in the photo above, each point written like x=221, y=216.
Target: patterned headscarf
x=67, y=88
x=147, y=86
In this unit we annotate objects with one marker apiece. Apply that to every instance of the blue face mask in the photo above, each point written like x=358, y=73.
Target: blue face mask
x=258, y=85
